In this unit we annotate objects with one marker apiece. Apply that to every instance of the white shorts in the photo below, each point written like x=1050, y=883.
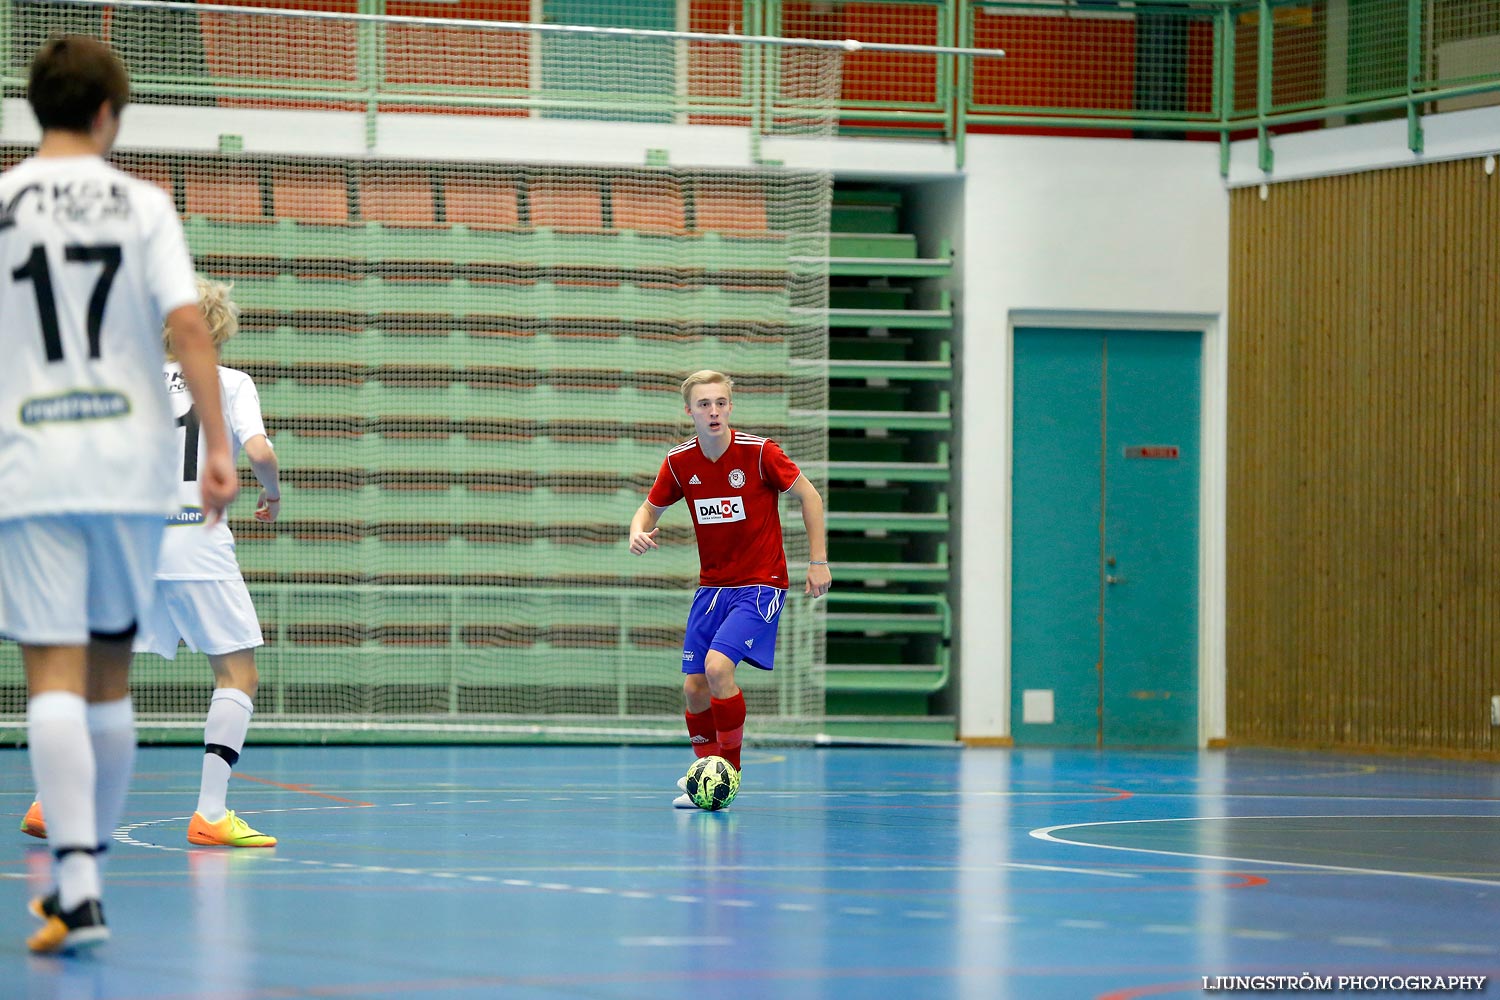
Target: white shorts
x=69, y=577
x=211, y=616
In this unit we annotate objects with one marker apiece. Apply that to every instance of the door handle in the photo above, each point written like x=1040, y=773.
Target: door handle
x=1111, y=578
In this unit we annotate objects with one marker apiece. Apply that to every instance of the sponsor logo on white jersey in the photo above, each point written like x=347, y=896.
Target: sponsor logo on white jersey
x=736, y=478
x=75, y=406
x=695, y=481
x=187, y=515
x=719, y=510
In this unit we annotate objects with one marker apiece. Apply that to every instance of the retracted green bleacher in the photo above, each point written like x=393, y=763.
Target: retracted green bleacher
x=470, y=377
x=890, y=420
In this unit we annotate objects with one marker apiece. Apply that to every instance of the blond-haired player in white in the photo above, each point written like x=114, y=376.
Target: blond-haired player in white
x=92, y=262
x=201, y=598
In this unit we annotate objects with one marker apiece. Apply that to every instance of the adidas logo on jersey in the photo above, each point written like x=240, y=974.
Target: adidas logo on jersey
x=695, y=481
x=749, y=643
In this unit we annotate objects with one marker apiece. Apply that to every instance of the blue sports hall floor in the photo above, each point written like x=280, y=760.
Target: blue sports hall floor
x=544, y=873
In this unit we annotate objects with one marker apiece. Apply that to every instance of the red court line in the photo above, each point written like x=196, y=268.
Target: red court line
x=1121, y=795
x=303, y=789
x=1250, y=881
x=1038, y=799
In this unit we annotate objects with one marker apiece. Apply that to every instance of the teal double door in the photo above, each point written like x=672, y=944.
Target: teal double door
x=1104, y=570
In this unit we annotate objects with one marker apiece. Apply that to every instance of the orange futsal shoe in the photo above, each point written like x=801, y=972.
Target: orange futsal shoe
x=33, y=825
x=63, y=933
x=231, y=831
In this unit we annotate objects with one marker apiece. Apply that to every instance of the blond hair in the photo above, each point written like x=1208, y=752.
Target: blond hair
x=222, y=313
x=705, y=377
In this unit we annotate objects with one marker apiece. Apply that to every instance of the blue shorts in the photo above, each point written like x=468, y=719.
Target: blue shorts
x=739, y=622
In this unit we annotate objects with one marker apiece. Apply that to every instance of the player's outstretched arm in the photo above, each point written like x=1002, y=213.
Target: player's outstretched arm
x=819, y=576
x=643, y=529
x=194, y=348
x=268, y=472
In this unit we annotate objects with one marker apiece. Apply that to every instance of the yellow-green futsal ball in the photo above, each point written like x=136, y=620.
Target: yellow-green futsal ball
x=712, y=783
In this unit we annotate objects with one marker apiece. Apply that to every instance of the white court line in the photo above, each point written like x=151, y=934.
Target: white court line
x=1048, y=833
x=123, y=835
x=1363, y=942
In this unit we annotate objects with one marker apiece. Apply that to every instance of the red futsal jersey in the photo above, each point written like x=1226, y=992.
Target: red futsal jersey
x=733, y=503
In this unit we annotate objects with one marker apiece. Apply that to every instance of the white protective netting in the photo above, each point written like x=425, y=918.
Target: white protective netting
x=468, y=335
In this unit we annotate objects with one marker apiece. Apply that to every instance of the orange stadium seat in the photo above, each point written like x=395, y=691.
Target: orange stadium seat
x=567, y=203
x=397, y=197
x=223, y=190
x=732, y=207
x=158, y=172
x=647, y=204
x=482, y=202
x=310, y=194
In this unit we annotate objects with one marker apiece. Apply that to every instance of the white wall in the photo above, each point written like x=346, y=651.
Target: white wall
x=435, y=137
x=1372, y=146
x=1097, y=232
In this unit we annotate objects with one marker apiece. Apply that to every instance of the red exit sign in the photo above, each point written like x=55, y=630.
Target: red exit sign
x=1152, y=451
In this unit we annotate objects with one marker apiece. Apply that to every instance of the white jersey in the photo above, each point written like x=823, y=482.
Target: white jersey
x=91, y=261
x=189, y=551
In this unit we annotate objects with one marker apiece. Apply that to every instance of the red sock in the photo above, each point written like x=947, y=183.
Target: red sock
x=701, y=733
x=729, y=721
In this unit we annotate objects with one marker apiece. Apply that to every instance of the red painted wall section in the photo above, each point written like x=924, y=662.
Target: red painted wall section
x=280, y=51
x=1077, y=63
x=427, y=56
x=880, y=78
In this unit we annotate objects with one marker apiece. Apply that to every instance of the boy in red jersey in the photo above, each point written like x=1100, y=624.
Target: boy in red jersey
x=732, y=482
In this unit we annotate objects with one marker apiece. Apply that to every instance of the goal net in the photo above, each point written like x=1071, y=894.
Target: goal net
x=474, y=261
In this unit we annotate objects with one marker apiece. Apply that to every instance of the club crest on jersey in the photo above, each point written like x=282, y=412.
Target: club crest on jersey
x=718, y=510
x=736, y=478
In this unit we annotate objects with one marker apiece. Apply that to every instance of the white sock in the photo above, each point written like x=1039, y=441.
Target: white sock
x=62, y=765
x=112, y=732
x=224, y=731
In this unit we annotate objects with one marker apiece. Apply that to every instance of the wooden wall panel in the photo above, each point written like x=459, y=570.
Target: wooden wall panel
x=1364, y=461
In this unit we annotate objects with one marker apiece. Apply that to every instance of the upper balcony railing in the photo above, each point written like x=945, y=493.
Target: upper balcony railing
x=1208, y=69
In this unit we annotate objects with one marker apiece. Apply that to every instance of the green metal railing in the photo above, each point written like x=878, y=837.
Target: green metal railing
x=1393, y=53
x=1232, y=67
x=1214, y=68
